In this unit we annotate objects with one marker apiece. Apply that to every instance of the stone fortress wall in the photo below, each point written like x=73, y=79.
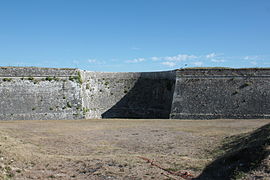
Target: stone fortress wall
x=128, y=95
x=221, y=93
x=39, y=93
x=53, y=93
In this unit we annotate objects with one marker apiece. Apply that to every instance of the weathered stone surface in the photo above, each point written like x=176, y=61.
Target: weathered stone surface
x=217, y=93
x=128, y=95
x=51, y=93
x=40, y=95
x=36, y=72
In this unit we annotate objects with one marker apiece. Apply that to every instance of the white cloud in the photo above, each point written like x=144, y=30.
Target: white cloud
x=253, y=62
x=217, y=60
x=169, y=64
x=96, y=62
x=155, y=58
x=179, y=57
x=251, y=57
x=136, y=60
x=198, y=63
x=210, y=56
x=92, y=60
x=135, y=48
x=75, y=62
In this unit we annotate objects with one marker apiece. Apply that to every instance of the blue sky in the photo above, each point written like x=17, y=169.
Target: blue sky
x=135, y=35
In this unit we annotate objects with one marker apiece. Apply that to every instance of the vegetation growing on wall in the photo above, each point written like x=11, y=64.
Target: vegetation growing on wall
x=7, y=79
x=85, y=110
x=77, y=78
x=69, y=105
x=80, y=77
x=48, y=78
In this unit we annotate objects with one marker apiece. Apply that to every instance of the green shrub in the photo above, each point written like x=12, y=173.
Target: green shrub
x=71, y=78
x=7, y=79
x=56, y=78
x=48, y=78
x=76, y=78
x=85, y=110
x=69, y=105
x=80, y=78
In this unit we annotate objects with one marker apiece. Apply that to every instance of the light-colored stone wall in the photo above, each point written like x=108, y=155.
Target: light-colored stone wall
x=38, y=93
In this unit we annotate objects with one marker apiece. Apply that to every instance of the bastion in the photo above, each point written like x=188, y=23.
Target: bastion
x=32, y=93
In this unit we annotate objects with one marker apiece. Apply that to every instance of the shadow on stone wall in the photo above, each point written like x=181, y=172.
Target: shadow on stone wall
x=149, y=98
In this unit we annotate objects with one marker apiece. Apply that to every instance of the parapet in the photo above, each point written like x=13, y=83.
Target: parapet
x=37, y=72
x=224, y=72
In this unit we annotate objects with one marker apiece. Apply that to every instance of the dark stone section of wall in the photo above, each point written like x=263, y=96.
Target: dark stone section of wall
x=128, y=95
x=261, y=72
x=215, y=93
x=149, y=98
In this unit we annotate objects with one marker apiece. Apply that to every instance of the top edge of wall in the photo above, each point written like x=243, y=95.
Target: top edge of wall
x=87, y=71
x=64, y=72
x=34, y=67
x=37, y=72
x=129, y=75
x=223, y=72
x=220, y=68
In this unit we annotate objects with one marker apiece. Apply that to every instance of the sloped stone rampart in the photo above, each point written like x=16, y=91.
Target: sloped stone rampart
x=128, y=95
x=54, y=93
x=39, y=93
x=221, y=93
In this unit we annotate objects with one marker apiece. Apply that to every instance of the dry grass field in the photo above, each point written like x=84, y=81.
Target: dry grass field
x=109, y=148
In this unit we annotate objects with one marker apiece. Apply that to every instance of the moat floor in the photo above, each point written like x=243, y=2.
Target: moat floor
x=109, y=148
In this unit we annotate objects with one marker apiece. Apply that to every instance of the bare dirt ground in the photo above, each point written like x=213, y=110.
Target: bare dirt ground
x=108, y=149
